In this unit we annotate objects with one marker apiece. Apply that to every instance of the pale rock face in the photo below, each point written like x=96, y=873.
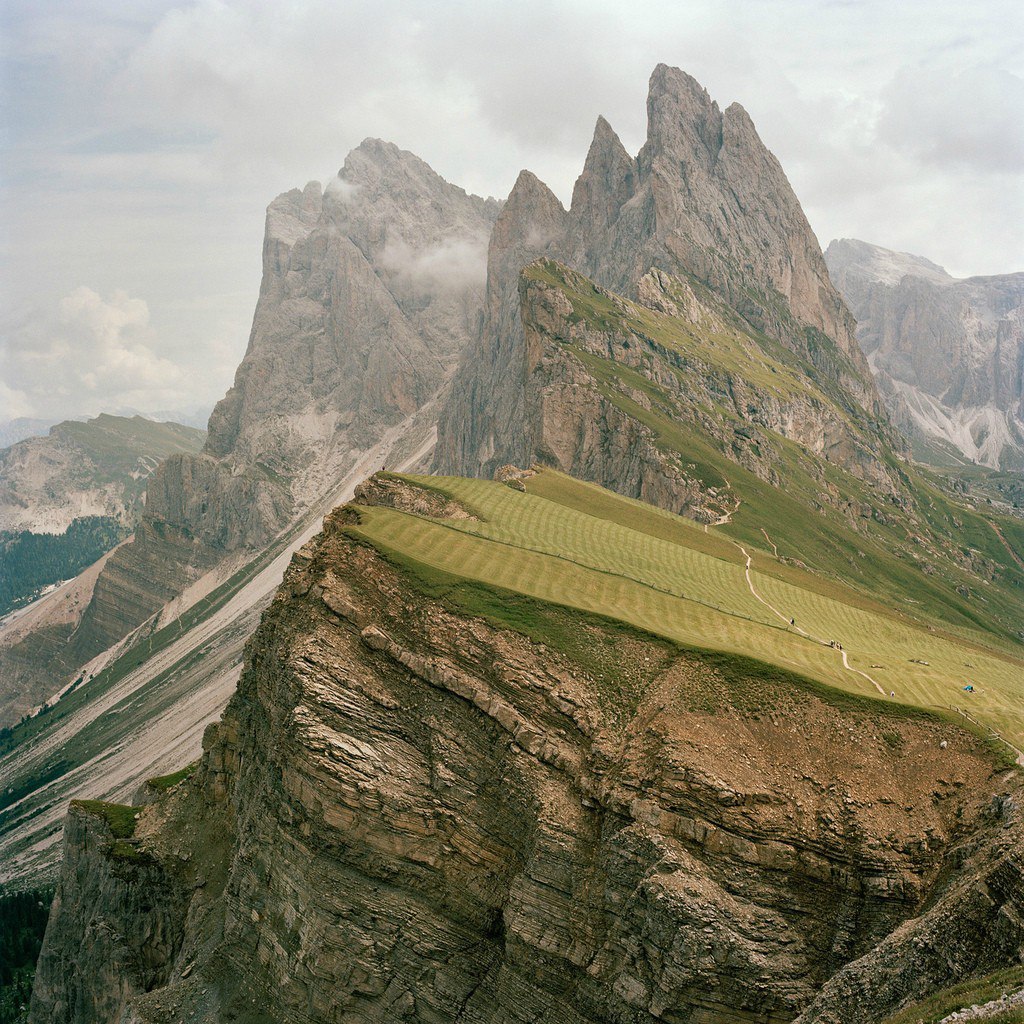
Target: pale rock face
x=98, y=468
x=371, y=289
x=704, y=198
x=947, y=354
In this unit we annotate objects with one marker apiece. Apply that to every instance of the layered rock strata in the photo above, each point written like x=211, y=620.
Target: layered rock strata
x=412, y=814
x=575, y=335
x=703, y=199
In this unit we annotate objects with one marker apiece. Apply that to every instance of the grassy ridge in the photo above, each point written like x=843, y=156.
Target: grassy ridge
x=968, y=993
x=884, y=560
x=655, y=572
x=915, y=549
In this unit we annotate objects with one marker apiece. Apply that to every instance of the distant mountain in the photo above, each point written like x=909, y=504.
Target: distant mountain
x=96, y=468
x=947, y=353
x=190, y=416
x=13, y=431
x=704, y=200
x=371, y=289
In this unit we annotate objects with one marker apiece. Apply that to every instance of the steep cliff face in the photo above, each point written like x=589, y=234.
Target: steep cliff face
x=597, y=365
x=370, y=292
x=371, y=289
x=703, y=199
x=410, y=813
x=948, y=354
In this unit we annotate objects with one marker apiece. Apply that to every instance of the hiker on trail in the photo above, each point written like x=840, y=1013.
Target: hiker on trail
x=892, y=693
x=792, y=622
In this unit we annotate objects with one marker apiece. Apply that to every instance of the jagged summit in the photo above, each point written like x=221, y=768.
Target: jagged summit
x=608, y=181
x=372, y=285
x=725, y=211
x=705, y=200
x=679, y=108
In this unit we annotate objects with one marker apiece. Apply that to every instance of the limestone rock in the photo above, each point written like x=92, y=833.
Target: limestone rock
x=946, y=353
x=704, y=199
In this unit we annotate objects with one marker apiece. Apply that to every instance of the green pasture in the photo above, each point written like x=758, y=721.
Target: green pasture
x=583, y=547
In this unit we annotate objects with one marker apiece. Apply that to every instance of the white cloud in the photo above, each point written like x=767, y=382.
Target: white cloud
x=972, y=119
x=13, y=404
x=452, y=265
x=86, y=355
x=144, y=140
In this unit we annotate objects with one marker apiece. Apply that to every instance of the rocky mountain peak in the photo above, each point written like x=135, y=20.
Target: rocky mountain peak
x=946, y=353
x=683, y=121
x=725, y=212
x=530, y=221
x=850, y=258
x=609, y=180
x=292, y=214
x=703, y=200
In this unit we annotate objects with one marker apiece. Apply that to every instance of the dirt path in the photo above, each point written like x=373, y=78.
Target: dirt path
x=803, y=632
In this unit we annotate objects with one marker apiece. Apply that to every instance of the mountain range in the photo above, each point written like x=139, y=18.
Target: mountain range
x=647, y=704
x=947, y=353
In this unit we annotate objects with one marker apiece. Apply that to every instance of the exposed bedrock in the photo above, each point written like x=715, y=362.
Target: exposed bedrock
x=409, y=814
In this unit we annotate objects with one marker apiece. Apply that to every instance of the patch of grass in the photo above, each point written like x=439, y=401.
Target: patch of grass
x=968, y=993
x=545, y=551
x=634, y=515
x=893, y=740
x=162, y=783
x=119, y=817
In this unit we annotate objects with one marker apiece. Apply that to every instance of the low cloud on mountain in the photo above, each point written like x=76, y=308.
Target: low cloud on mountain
x=143, y=141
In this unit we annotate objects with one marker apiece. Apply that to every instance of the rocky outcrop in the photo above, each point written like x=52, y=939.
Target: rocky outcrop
x=126, y=919
x=97, y=468
x=704, y=199
x=411, y=814
x=591, y=423
x=371, y=289
x=947, y=353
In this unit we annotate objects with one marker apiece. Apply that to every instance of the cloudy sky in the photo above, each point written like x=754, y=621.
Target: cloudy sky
x=142, y=140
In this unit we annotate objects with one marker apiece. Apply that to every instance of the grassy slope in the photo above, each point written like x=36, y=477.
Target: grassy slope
x=969, y=993
x=903, y=557
x=617, y=558
x=111, y=439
